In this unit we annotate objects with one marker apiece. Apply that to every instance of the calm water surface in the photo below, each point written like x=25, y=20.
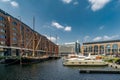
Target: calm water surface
x=50, y=70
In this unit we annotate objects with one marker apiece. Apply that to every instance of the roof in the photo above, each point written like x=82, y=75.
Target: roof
x=100, y=42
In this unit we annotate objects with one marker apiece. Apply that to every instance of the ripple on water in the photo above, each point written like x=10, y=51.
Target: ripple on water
x=51, y=70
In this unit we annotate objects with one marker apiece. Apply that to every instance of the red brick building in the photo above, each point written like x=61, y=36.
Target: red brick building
x=17, y=37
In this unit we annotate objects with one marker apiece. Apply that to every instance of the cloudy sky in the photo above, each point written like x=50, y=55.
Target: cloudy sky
x=69, y=20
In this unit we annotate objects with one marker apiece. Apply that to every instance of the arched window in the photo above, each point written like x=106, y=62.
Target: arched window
x=108, y=48
x=115, y=48
x=102, y=49
x=90, y=48
x=96, y=49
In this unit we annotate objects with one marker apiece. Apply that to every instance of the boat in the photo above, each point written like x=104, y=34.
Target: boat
x=31, y=60
x=23, y=58
x=84, y=61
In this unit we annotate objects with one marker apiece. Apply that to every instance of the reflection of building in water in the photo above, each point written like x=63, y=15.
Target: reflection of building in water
x=69, y=48
x=102, y=47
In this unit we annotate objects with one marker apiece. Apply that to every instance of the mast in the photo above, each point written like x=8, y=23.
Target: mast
x=33, y=37
x=56, y=39
x=20, y=41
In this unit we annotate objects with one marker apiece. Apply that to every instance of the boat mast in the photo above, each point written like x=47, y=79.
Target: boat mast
x=33, y=37
x=20, y=41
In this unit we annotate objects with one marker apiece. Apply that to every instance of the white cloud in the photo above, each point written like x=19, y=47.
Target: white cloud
x=98, y=4
x=67, y=1
x=67, y=28
x=103, y=38
x=59, y=26
x=5, y=0
x=14, y=3
x=97, y=39
x=76, y=3
x=53, y=39
x=110, y=37
x=69, y=43
x=101, y=27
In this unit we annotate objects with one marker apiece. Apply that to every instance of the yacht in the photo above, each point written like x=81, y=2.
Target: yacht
x=80, y=60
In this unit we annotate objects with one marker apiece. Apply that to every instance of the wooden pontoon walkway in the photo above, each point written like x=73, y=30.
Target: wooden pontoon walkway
x=99, y=71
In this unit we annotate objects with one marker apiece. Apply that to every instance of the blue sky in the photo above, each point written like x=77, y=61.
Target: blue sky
x=70, y=20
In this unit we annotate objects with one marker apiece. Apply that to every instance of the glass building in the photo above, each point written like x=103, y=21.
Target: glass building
x=69, y=48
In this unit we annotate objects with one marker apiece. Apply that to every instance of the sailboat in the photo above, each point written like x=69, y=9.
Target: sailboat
x=33, y=58
x=23, y=58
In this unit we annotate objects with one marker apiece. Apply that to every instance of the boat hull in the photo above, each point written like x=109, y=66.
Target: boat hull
x=24, y=60
x=32, y=60
x=85, y=63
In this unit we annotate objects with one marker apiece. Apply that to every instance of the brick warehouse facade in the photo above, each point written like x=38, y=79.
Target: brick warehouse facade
x=111, y=47
x=17, y=37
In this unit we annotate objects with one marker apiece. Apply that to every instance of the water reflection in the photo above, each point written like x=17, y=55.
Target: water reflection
x=51, y=70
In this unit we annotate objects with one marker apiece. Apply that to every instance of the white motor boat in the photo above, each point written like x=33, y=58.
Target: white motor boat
x=83, y=61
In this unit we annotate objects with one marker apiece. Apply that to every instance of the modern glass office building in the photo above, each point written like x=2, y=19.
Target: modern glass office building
x=69, y=48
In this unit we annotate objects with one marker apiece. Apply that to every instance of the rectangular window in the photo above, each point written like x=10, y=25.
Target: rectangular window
x=14, y=23
x=1, y=24
x=14, y=29
x=2, y=30
x=15, y=34
x=2, y=36
x=2, y=18
x=15, y=39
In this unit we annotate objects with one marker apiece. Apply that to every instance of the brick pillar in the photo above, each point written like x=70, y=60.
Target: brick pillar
x=98, y=49
x=93, y=49
x=111, y=49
